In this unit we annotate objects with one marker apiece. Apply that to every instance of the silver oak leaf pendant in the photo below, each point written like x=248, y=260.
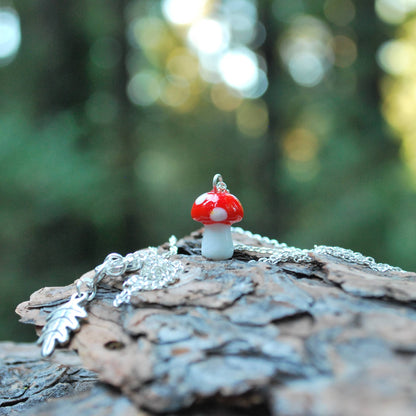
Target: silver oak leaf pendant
x=61, y=322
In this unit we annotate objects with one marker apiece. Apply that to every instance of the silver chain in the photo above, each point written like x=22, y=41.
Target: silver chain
x=281, y=252
x=152, y=271
x=155, y=272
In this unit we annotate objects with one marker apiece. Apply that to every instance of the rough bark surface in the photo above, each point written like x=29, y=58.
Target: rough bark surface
x=233, y=337
x=26, y=380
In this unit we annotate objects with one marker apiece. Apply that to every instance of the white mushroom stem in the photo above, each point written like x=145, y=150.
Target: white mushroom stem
x=217, y=243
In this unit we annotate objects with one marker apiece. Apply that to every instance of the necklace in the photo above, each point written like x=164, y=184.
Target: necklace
x=149, y=270
x=281, y=252
x=156, y=272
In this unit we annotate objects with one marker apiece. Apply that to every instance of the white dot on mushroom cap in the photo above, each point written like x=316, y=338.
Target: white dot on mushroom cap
x=218, y=214
x=200, y=199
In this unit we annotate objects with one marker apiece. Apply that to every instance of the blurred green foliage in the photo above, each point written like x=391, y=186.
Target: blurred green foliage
x=84, y=171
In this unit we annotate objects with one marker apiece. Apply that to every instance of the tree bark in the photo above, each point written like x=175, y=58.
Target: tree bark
x=232, y=337
x=27, y=381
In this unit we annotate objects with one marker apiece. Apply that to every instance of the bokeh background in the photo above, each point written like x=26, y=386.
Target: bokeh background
x=115, y=115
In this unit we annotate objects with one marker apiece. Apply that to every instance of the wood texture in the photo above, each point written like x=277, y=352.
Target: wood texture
x=323, y=338
x=26, y=380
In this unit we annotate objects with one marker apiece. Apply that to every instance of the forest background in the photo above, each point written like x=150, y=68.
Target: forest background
x=115, y=115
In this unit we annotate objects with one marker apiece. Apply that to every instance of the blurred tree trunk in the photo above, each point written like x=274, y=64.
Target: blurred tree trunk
x=270, y=159
x=125, y=131
x=65, y=85
x=63, y=81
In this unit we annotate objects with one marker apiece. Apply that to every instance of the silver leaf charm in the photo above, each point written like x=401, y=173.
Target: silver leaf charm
x=61, y=322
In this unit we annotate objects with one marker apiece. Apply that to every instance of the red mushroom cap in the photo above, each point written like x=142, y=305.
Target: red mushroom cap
x=217, y=208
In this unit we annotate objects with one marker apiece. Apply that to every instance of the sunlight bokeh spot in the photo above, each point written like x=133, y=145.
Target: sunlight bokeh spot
x=408, y=150
x=345, y=51
x=183, y=12
x=208, y=69
x=243, y=28
x=303, y=171
x=224, y=98
x=394, y=11
x=259, y=88
x=397, y=57
x=209, y=36
x=182, y=63
x=10, y=35
x=242, y=17
x=253, y=118
x=241, y=8
x=144, y=88
x=157, y=168
x=151, y=33
x=306, y=52
x=340, y=12
x=175, y=91
x=223, y=36
x=300, y=145
x=239, y=69
x=408, y=154
x=399, y=106
x=306, y=69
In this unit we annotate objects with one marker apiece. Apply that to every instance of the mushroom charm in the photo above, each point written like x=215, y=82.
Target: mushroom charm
x=217, y=210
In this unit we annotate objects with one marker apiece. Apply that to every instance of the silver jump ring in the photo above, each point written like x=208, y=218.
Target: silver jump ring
x=217, y=178
x=218, y=183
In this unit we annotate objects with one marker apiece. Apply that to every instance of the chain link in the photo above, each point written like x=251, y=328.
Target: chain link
x=355, y=257
x=155, y=272
x=281, y=253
